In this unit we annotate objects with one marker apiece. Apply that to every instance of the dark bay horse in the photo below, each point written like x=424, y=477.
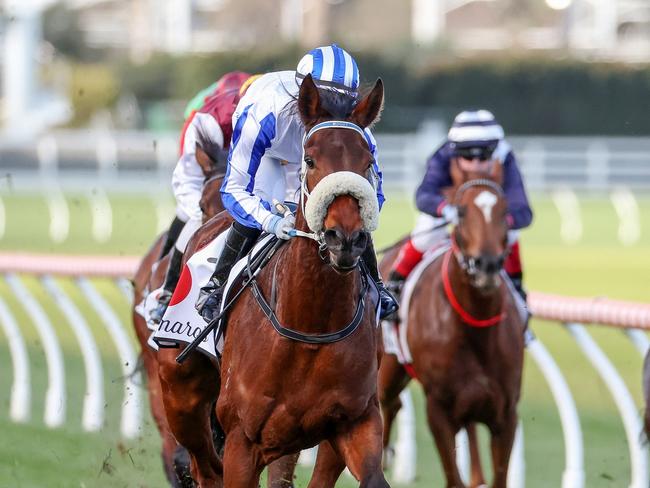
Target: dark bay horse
x=465, y=335
x=277, y=395
x=148, y=278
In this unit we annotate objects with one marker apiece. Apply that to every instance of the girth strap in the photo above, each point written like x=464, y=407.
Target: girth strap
x=314, y=338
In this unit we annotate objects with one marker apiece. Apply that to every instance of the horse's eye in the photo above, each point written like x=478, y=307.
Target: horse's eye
x=370, y=163
x=309, y=161
x=462, y=211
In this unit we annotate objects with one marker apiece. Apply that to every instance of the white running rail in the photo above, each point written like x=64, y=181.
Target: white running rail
x=632, y=318
x=13, y=268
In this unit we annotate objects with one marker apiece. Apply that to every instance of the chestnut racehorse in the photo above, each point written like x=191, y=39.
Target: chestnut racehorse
x=465, y=335
x=279, y=395
x=213, y=167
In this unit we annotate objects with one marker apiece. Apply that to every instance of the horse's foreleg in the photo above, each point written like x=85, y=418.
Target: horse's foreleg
x=361, y=448
x=158, y=413
x=477, y=479
x=280, y=472
x=444, y=434
x=188, y=392
x=328, y=468
x=242, y=466
x=501, y=444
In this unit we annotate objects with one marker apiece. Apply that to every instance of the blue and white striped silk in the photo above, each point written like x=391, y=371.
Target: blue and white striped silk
x=330, y=66
x=266, y=150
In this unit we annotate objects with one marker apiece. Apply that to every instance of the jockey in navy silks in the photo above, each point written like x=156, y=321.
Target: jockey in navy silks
x=265, y=160
x=209, y=112
x=476, y=141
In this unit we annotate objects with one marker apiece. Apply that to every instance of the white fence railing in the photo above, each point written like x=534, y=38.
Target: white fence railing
x=79, y=270
x=123, y=159
x=632, y=318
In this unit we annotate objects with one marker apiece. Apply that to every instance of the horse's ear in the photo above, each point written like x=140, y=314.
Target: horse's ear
x=205, y=161
x=496, y=172
x=368, y=110
x=458, y=176
x=309, y=101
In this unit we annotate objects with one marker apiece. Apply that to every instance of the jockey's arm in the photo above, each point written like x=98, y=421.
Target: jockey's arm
x=520, y=215
x=375, y=168
x=428, y=197
x=253, y=133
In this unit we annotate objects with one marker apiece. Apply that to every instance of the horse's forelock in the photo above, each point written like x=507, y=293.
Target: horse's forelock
x=339, y=105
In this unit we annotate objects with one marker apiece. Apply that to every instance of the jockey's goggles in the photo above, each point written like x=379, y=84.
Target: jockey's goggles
x=483, y=153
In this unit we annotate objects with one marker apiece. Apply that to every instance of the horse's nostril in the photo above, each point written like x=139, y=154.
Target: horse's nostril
x=360, y=240
x=333, y=238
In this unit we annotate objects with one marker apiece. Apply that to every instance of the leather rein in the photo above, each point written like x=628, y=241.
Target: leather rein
x=269, y=309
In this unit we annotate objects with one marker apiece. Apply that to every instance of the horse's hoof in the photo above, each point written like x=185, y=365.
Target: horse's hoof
x=182, y=468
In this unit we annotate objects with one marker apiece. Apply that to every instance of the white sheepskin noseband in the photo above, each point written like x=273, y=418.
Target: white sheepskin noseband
x=342, y=183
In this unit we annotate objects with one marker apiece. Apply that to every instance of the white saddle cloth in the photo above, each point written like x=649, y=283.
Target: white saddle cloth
x=181, y=322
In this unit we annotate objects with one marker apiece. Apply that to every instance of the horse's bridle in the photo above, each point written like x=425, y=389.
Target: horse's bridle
x=468, y=264
x=304, y=191
x=269, y=308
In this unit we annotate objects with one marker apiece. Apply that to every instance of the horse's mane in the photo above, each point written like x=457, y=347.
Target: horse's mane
x=212, y=148
x=338, y=104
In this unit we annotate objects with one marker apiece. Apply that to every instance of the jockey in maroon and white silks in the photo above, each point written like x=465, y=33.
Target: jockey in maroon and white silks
x=476, y=141
x=212, y=117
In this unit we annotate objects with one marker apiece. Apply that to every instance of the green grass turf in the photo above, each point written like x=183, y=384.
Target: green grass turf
x=32, y=455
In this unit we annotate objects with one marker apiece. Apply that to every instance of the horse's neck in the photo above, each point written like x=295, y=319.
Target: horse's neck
x=312, y=297
x=476, y=303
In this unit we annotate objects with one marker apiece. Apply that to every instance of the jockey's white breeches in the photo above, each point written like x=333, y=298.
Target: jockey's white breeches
x=187, y=185
x=425, y=235
x=189, y=229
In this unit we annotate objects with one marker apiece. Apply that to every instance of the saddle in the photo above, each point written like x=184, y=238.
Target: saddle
x=181, y=322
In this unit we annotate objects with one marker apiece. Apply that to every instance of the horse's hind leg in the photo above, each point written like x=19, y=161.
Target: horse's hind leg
x=477, y=479
x=328, y=468
x=501, y=443
x=393, y=378
x=189, y=391
x=281, y=471
x=444, y=433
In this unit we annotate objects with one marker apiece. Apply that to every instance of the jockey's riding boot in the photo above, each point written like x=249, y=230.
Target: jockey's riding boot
x=172, y=235
x=171, y=279
x=517, y=281
x=388, y=302
x=395, y=283
x=239, y=241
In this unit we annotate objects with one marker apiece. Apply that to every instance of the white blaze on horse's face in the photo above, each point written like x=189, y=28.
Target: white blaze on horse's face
x=486, y=201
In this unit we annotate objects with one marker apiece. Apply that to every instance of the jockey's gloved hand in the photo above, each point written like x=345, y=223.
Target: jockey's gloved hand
x=281, y=226
x=450, y=214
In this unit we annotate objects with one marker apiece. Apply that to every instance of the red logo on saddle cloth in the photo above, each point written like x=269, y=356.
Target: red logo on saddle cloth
x=183, y=287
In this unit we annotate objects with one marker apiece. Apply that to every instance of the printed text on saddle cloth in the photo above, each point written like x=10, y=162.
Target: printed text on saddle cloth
x=181, y=322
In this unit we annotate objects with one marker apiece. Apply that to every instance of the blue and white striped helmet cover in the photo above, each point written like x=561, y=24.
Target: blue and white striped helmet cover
x=475, y=128
x=330, y=67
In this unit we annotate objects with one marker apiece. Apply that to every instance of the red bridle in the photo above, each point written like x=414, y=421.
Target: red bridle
x=465, y=316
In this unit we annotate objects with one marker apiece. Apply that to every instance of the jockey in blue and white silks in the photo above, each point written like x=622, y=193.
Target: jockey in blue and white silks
x=266, y=155
x=265, y=159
